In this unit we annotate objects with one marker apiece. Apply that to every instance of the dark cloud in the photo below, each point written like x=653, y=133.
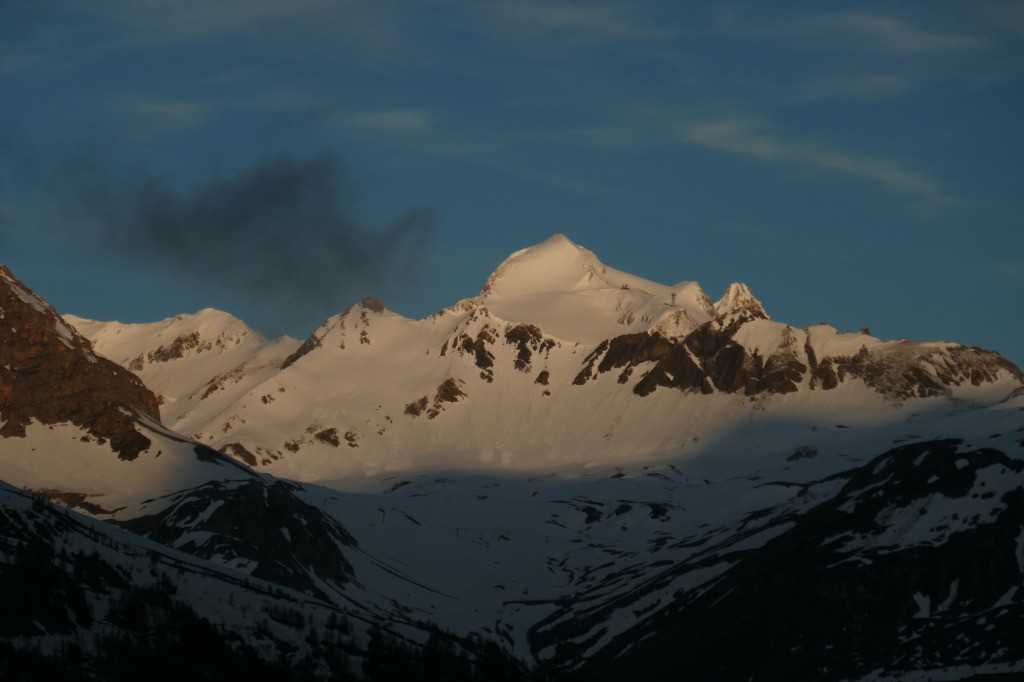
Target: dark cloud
x=284, y=233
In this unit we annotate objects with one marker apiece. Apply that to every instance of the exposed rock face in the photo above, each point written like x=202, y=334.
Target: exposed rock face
x=373, y=304
x=49, y=373
x=178, y=348
x=238, y=451
x=740, y=299
x=315, y=340
x=448, y=392
x=528, y=340
x=463, y=344
x=308, y=346
x=710, y=359
x=416, y=407
x=706, y=360
x=925, y=376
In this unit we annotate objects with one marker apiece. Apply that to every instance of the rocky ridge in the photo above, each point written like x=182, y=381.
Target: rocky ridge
x=50, y=374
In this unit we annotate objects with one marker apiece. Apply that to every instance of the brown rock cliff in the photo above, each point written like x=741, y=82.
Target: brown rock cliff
x=49, y=373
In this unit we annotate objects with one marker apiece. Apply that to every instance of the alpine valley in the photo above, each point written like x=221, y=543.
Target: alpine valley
x=576, y=474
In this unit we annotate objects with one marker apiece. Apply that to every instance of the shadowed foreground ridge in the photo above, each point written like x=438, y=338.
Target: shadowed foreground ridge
x=841, y=593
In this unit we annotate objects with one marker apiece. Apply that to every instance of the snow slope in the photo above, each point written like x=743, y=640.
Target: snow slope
x=62, y=462
x=559, y=360
x=564, y=562
x=208, y=356
x=585, y=497
x=572, y=296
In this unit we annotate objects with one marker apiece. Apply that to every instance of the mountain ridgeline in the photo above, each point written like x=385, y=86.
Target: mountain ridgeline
x=558, y=345
x=577, y=474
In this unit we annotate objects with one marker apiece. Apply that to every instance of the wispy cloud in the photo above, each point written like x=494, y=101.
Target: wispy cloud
x=754, y=140
x=426, y=132
x=30, y=40
x=361, y=32
x=1008, y=16
x=20, y=59
x=585, y=23
x=166, y=115
x=1009, y=269
x=394, y=120
x=852, y=30
x=889, y=33
x=647, y=127
x=855, y=88
x=563, y=181
x=170, y=21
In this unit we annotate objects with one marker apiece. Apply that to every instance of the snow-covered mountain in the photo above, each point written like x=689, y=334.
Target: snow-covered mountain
x=601, y=475
x=84, y=431
x=210, y=359
x=212, y=544
x=561, y=360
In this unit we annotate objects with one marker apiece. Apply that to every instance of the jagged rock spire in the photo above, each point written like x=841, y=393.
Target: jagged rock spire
x=739, y=299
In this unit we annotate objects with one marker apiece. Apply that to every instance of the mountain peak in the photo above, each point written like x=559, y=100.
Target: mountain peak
x=739, y=299
x=558, y=241
x=556, y=264
x=373, y=304
x=11, y=286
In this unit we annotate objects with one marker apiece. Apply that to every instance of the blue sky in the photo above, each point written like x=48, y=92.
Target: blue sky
x=854, y=163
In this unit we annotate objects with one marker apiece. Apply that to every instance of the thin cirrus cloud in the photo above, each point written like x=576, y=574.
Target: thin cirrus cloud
x=394, y=120
x=422, y=129
x=586, y=24
x=164, y=21
x=851, y=30
x=890, y=34
x=758, y=141
x=165, y=115
x=1008, y=16
x=1009, y=269
x=749, y=139
x=855, y=88
x=367, y=32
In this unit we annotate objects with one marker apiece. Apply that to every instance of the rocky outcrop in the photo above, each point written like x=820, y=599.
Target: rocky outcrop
x=448, y=392
x=50, y=374
x=923, y=375
x=527, y=340
x=316, y=339
x=239, y=451
x=709, y=359
x=308, y=346
x=464, y=344
x=706, y=360
x=178, y=348
x=739, y=299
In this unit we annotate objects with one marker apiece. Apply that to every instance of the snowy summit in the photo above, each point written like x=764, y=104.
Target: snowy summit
x=560, y=359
